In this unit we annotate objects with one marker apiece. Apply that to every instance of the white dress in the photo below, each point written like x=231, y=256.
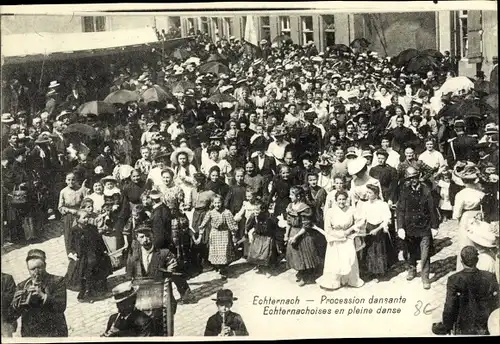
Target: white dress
x=341, y=262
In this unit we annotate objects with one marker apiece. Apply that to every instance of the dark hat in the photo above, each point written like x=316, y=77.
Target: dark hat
x=213, y=148
x=225, y=295
x=469, y=256
x=36, y=254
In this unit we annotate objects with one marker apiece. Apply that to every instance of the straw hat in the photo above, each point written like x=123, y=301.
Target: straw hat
x=124, y=291
x=7, y=118
x=184, y=150
x=356, y=165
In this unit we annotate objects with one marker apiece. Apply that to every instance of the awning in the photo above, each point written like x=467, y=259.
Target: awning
x=37, y=46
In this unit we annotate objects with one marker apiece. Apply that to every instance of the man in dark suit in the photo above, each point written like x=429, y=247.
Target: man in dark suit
x=148, y=261
x=40, y=300
x=471, y=296
x=129, y=321
x=264, y=165
x=161, y=221
x=8, y=290
x=416, y=222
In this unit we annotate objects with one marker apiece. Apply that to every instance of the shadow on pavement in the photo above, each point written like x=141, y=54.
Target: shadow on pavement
x=443, y=267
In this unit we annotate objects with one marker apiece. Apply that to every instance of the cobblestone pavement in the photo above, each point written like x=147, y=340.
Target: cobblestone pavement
x=420, y=310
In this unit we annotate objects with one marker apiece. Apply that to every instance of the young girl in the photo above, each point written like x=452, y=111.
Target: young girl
x=69, y=202
x=223, y=230
x=250, y=207
x=445, y=206
x=261, y=229
x=89, y=264
x=301, y=253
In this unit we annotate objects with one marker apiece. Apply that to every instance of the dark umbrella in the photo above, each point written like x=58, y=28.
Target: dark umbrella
x=281, y=39
x=122, y=97
x=433, y=53
x=181, y=54
x=360, y=43
x=156, y=94
x=491, y=101
x=182, y=86
x=80, y=128
x=405, y=56
x=421, y=64
x=96, y=108
x=214, y=68
x=221, y=98
x=341, y=48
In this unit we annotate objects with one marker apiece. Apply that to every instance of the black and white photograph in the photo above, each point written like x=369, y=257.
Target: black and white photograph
x=284, y=170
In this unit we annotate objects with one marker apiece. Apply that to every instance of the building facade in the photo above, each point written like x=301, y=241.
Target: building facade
x=470, y=36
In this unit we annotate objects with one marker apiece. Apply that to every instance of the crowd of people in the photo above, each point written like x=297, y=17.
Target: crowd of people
x=335, y=162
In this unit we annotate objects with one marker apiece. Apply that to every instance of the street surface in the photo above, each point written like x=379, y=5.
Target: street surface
x=420, y=310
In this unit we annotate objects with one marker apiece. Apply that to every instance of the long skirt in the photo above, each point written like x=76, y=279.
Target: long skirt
x=376, y=256
x=463, y=240
x=262, y=250
x=68, y=223
x=303, y=254
x=221, y=247
x=341, y=266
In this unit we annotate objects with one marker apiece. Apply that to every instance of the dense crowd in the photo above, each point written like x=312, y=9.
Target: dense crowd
x=334, y=161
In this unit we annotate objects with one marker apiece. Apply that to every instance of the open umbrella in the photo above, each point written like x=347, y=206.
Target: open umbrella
x=282, y=39
x=156, y=94
x=456, y=84
x=433, y=53
x=221, y=98
x=214, y=68
x=181, y=54
x=421, y=64
x=404, y=57
x=341, y=48
x=182, y=86
x=122, y=97
x=96, y=107
x=360, y=43
x=80, y=128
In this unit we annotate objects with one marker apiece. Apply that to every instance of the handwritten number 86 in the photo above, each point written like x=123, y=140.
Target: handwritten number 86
x=421, y=308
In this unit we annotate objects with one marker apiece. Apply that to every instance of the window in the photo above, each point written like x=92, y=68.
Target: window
x=464, y=42
x=94, y=24
x=204, y=25
x=227, y=27
x=215, y=25
x=329, y=29
x=307, y=29
x=285, y=25
x=265, y=28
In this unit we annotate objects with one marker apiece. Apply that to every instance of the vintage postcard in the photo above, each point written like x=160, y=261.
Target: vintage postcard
x=249, y=170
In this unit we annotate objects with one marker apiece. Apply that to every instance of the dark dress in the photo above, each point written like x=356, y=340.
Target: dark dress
x=93, y=266
x=263, y=250
x=303, y=254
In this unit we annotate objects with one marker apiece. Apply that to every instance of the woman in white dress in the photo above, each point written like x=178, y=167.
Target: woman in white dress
x=341, y=262
x=467, y=205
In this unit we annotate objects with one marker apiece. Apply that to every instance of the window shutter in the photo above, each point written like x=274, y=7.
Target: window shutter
x=474, y=38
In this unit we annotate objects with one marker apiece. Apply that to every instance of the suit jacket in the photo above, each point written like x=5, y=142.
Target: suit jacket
x=416, y=212
x=233, y=320
x=136, y=324
x=471, y=296
x=268, y=170
x=44, y=319
x=161, y=224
